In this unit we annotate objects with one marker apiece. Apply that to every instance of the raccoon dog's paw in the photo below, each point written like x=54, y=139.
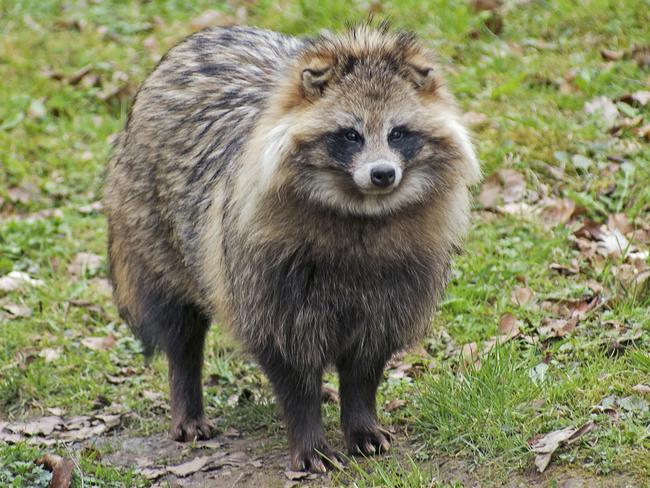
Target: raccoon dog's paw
x=367, y=442
x=189, y=429
x=315, y=459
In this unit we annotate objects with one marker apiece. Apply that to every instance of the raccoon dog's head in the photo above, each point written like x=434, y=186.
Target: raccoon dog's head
x=372, y=128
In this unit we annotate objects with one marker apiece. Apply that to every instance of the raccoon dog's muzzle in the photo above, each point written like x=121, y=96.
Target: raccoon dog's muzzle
x=378, y=177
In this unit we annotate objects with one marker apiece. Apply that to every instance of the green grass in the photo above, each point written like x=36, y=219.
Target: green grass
x=55, y=139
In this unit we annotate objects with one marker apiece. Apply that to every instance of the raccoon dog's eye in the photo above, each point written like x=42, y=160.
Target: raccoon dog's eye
x=352, y=135
x=395, y=135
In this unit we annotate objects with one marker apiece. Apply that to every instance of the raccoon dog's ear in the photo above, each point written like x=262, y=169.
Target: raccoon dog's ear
x=423, y=78
x=314, y=81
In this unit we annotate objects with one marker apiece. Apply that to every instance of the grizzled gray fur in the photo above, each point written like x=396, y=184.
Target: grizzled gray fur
x=306, y=194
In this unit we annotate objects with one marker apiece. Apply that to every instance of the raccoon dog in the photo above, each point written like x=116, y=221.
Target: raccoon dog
x=307, y=194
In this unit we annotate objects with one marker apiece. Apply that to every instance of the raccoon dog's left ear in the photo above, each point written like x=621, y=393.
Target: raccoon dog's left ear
x=314, y=81
x=423, y=78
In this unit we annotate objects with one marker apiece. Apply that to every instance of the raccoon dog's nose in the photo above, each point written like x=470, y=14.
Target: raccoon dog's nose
x=382, y=175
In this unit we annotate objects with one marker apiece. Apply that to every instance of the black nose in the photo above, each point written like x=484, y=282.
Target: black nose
x=382, y=175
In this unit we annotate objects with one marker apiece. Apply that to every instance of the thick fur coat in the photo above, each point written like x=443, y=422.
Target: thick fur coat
x=249, y=188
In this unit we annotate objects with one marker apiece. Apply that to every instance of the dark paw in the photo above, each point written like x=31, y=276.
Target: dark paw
x=191, y=429
x=315, y=459
x=368, y=441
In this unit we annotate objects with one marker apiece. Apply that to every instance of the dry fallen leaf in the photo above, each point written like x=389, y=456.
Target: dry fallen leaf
x=604, y=108
x=522, y=296
x=544, y=446
x=84, y=261
x=507, y=185
x=551, y=328
x=16, y=310
x=185, y=469
x=76, y=77
x=91, y=208
x=394, y=404
x=611, y=55
x=62, y=469
x=641, y=388
x=19, y=195
x=641, y=98
x=620, y=222
x=574, y=268
x=51, y=354
x=557, y=211
x=99, y=343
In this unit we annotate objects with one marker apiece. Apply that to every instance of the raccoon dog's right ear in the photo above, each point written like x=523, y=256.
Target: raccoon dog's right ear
x=314, y=81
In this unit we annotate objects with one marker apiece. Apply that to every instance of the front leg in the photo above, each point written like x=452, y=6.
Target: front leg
x=299, y=396
x=358, y=389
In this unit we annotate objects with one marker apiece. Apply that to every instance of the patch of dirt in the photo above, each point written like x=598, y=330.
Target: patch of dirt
x=261, y=462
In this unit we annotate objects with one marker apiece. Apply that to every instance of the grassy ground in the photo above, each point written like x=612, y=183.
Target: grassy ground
x=531, y=81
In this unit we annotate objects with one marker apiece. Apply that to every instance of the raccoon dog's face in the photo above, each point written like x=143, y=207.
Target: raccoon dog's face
x=379, y=132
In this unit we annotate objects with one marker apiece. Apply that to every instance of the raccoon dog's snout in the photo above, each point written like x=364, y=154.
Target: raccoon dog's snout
x=383, y=176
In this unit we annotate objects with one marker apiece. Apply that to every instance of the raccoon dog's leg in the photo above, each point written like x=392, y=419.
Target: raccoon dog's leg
x=185, y=354
x=358, y=382
x=179, y=330
x=299, y=395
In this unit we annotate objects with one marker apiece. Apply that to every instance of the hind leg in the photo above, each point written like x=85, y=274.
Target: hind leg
x=163, y=322
x=179, y=330
x=184, y=350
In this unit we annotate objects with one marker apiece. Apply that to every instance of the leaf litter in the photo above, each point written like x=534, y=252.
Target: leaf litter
x=55, y=429
x=544, y=445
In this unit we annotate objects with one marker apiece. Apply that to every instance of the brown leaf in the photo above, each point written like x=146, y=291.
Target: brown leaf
x=19, y=194
x=395, y=404
x=37, y=426
x=604, y=108
x=17, y=280
x=632, y=275
x=620, y=222
x=84, y=261
x=507, y=185
x=99, y=343
x=51, y=354
x=574, y=268
x=192, y=466
x=557, y=211
x=641, y=388
x=610, y=55
x=522, y=296
x=16, y=310
x=70, y=24
x=95, y=207
x=545, y=445
x=296, y=475
x=551, y=328
x=508, y=325
x=644, y=132
x=640, y=98
x=641, y=54
x=79, y=75
x=569, y=309
x=470, y=356
x=62, y=469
